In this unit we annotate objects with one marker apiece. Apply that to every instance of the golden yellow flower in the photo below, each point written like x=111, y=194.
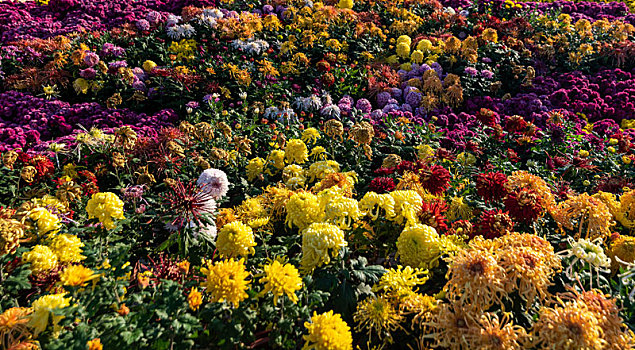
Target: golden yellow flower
x=194, y=299
x=378, y=316
x=41, y=258
x=77, y=275
x=281, y=279
x=327, y=331
x=226, y=280
x=235, y=239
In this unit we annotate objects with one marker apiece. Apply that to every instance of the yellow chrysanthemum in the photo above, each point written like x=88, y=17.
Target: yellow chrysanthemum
x=46, y=221
x=296, y=151
x=235, y=240
x=378, y=316
x=318, y=240
x=372, y=203
x=47, y=306
x=327, y=331
x=319, y=170
x=254, y=168
x=401, y=281
x=310, y=135
x=41, y=258
x=68, y=248
x=194, y=299
x=281, y=279
x=105, y=206
x=77, y=275
x=303, y=209
x=419, y=246
x=276, y=159
x=226, y=280
x=407, y=204
x=338, y=209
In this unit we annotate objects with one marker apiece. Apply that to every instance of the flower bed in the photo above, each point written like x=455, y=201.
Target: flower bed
x=321, y=175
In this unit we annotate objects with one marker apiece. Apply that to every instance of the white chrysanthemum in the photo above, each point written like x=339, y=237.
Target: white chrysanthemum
x=188, y=30
x=591, y=253
x=173, y=32
x=215, y=181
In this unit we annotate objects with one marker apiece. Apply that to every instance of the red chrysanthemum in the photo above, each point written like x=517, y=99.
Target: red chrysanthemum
x=491, y=186
x=436, y=179
x=44, y=166
x=493, y=223
x=487, y=117
x=432, y=214
x=461, y=227
x=524, y=205
x=382, y=184
x=515, y=123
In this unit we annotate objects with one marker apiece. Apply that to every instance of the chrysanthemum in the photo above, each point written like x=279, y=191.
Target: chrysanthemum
x=435, y=179
x=281, y=279
x=524, y=205
x=41, y=258
x=46, y=221
x=44, y=307
x=528, y=271
x=419, y=246
x=587, y=216
x=327, y=331
x=378, y=316
x=235, y=240
x=498, y=334
x=194, y=299
x=216, y=181
x=188, y=202
x=11, y=231
x=622, y=247
x=77, y=275
x=338, y=209
x=420, y=305
x=407, y=205
x=568, y=326
x=491, y=186
x=614, y=331
x=105, y=206
x=67, y=248
x=310, y=135
x=475, y=278
x=372, y=203
x=452, y=326
x=523, y=179
x=401, y=281
x=493, y=223
x=226, y=280
x=296, y=151
x=320, y=241
x=458, y=209
x=255, y=168
x=303, y=209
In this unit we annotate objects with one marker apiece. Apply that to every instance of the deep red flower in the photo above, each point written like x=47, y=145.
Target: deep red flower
x=493, y=223
x=436, y=179
x=487, y=117
x=524, y=205
x=512, y=155
x=382, y=184
x=491, y=186
x=515, y=123
x=432, y=214
x=44, y=166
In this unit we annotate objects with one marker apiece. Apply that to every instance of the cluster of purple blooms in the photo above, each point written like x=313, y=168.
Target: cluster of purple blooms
x=32, y=122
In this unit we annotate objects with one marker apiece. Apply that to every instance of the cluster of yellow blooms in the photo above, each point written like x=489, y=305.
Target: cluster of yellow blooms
x=105, y=206
x=228, y=280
